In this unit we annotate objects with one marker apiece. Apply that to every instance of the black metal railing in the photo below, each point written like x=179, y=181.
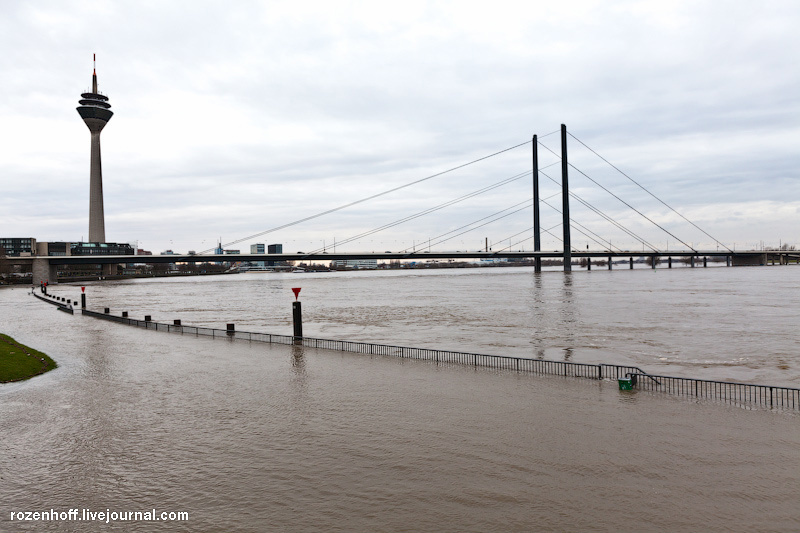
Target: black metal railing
x=742, y=394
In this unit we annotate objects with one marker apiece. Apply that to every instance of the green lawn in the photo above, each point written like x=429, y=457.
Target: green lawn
x=18, y=362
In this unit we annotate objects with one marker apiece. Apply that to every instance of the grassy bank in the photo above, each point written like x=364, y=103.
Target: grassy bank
x=18, y=362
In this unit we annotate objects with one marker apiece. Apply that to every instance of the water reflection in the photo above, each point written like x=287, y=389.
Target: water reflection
x=554, y=314
x=568, y=312
x=538, y=310
x=568, y=351
x=297, y=359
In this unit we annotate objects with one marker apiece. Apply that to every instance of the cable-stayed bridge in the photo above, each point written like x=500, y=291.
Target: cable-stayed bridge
x=440, y=246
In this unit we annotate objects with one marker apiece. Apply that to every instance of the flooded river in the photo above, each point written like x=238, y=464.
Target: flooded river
x=254, y=437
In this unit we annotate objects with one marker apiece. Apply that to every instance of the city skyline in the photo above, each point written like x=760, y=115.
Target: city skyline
x=246, y=118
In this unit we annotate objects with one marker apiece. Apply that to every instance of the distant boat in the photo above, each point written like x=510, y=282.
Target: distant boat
x=298, y=269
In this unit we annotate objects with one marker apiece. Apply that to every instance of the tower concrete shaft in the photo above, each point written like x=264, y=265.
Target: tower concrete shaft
x=95, y=111
x=97, y=220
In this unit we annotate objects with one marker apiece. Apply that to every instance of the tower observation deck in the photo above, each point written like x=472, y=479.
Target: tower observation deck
x=95, y=111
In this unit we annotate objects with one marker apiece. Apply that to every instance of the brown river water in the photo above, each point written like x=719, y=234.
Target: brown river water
x=255, y=437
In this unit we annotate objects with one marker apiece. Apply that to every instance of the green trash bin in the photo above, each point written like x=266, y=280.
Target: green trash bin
x=625, y=384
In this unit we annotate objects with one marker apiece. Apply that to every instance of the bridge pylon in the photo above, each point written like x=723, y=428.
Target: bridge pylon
x=565, y=201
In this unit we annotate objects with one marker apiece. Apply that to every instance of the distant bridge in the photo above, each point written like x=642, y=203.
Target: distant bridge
x=46, y=268
x=739, y=258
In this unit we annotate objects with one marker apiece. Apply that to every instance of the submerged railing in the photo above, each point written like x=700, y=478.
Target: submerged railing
x=742, y=394
x=727, y=391
x=58, y=301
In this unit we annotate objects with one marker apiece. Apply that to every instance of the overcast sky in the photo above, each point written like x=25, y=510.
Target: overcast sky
x=234, y=118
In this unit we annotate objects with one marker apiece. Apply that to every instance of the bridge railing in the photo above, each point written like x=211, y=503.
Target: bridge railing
x=741, y=394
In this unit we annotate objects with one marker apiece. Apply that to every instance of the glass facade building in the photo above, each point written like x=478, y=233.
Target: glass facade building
x=17, y=246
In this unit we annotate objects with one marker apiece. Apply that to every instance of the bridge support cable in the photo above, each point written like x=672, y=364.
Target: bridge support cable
x=523, y=208
x=368, y=198
x=430, y=210
x=650, y=193
x=494, y=216
x=516, y=207
x=441, y=206
x=608, y=218
x=450, y=236
x=527, y=230
x=659, y=226
x=626, y=203
x=580, y=228
x=548, y=231
x=583, y=230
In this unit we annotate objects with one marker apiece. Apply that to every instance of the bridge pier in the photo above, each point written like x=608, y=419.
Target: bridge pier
x=669, y=262
x=43, y=271
x=631, y=263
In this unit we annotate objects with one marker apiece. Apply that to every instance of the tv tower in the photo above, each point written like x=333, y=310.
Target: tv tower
x=95, y=112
